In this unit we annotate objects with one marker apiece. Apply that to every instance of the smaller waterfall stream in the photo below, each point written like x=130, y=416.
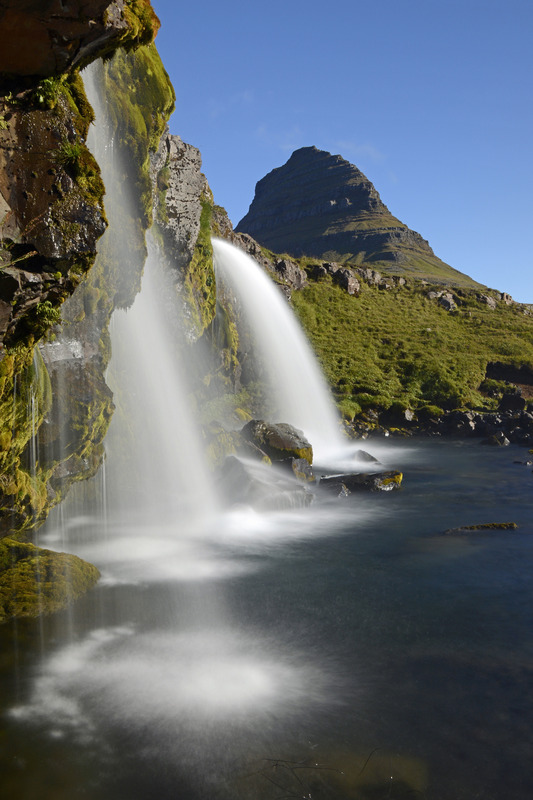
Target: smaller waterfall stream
x=296, y=387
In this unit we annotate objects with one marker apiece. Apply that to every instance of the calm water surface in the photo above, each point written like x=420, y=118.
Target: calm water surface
x=347, y=651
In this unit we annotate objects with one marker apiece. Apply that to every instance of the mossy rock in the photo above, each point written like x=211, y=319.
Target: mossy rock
x=34, y=581
x=481, y=527
x=278, y=440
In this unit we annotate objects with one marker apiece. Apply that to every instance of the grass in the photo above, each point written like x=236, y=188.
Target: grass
x=397, y=346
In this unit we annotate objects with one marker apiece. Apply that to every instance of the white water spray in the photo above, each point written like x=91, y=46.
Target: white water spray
x=296, y=387
x=155, y=457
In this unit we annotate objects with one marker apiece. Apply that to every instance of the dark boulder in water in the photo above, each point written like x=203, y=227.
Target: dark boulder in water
x=362, y=481
x=481, y=528
x=278, y=440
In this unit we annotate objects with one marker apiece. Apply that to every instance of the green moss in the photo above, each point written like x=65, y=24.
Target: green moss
x=398, y=346
x=141, y=101
x=35, y=581
x=391, y=480
x=23, y=483
x=486, y=526
x=200, y=283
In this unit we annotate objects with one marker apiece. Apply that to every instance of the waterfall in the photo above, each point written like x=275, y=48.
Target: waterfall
x=296, y=388
x=155, y=458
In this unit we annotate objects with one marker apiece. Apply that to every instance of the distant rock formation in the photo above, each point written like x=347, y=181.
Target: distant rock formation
x=320, y=205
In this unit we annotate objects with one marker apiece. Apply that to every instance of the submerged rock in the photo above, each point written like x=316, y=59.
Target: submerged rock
x=263, y=487
x=278, y=440
x=486, y=526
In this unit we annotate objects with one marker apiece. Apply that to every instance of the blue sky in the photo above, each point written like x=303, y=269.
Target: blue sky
x=431, y=99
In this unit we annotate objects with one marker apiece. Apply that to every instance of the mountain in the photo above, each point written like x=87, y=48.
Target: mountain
x=320, y=205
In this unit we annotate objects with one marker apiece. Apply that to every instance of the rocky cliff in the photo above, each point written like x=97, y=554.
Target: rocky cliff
x=320, y=205
x=54, y=411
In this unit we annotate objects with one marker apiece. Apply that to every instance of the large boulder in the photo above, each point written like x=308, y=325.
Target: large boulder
x=278, y=440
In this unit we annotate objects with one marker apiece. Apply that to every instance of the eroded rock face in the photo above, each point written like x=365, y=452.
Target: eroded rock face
x=177, y=173
x=50, y=220
x=320, y=205
x=41, y=38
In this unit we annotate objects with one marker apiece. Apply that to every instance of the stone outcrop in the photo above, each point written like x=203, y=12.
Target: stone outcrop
x=180, y=185
x=51, y=218
x=51, y=208
x=43, y=38
x=320, y=205
x=278, y=440
x=183, y=206
x=345, y=484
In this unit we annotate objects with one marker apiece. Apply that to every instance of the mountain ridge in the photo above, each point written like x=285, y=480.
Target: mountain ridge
x=322, y=206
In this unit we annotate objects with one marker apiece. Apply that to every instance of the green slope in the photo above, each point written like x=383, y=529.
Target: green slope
x=398, y=346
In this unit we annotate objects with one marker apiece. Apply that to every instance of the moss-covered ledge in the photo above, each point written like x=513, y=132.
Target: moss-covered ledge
x=34, y=581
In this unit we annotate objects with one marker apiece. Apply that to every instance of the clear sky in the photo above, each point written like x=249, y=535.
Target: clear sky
x=431, y=99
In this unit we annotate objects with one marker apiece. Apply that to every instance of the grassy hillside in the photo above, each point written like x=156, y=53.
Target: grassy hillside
x=399, y=347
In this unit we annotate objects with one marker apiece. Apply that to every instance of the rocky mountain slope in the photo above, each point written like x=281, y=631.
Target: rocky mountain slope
x=320, y=205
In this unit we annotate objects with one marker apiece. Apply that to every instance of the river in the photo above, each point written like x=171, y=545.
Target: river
x=347, y=650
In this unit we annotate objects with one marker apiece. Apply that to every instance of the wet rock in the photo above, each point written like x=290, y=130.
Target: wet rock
x=362, y=455
x=486, y=526
x=499, y=439
x=278, y=440
x=300, y=468
x=34, y=581
x=362, y=481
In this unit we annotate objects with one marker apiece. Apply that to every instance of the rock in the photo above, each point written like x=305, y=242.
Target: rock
x=42, y=38
x=506, y=298
x=346, y=279
x=361, y=481
x=278, y=440
x=499, y=439
x=488, y=300
x=291, y=273
x=300, y=468
x=487, y=526
x=512, y=402
x=34, y=581
x=177, y=170
x=362, y=455
x=447, y=302
x=370, y=276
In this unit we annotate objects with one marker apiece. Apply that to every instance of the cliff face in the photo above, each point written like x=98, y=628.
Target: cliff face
x=51, y=219
x=44, y=38
x=320, y=205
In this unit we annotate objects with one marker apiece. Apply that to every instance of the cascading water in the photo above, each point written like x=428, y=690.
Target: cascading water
x=295, y=386
x=155, y=460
